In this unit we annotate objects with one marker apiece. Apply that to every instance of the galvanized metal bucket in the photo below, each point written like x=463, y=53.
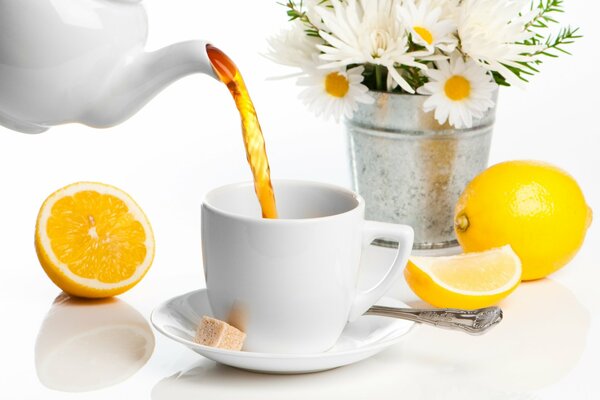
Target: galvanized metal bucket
x=412, y=170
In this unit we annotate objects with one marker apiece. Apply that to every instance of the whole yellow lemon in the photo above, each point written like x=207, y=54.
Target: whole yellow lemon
x=536, y=208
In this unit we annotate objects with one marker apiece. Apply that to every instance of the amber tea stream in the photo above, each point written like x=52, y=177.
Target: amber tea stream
x=254, y=141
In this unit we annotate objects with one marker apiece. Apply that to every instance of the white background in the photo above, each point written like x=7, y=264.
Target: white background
x=188, y=140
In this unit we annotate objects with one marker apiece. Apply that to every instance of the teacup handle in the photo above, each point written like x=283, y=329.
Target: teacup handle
x=372, y=230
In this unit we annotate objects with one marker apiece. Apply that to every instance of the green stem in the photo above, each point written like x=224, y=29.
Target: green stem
x=379, y=84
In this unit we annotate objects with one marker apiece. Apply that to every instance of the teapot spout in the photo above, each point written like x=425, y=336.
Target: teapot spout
x=143, y=77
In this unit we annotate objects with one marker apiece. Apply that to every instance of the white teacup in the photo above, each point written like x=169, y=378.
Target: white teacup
x=291, y=283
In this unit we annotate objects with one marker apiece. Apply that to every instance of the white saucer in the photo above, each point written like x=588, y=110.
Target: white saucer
x=178, y=318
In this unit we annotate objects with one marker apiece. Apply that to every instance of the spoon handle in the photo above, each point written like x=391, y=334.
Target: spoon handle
x=474, y=322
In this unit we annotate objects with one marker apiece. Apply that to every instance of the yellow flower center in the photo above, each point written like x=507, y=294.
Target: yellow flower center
x=336, y=84
x=457, y=88
x=424, y=33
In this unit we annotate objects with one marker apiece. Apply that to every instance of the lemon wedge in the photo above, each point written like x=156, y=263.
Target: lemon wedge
x=93, y=240
x=469, y=281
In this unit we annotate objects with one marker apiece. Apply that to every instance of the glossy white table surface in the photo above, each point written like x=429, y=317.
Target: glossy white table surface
x=187, y=141
x=544, y=348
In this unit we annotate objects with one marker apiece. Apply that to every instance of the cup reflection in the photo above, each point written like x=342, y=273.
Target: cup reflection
x=86, y=345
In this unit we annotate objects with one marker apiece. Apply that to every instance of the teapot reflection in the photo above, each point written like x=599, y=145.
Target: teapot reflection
x=87, y=345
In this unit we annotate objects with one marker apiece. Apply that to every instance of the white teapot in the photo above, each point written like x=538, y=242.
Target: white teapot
x=64, y=61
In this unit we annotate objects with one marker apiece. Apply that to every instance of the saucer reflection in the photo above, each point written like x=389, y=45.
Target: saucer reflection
x=86, y=345
x=384, y=377
x=209, y=380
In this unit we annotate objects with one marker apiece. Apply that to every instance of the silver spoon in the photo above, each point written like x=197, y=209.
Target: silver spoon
x=473, y=322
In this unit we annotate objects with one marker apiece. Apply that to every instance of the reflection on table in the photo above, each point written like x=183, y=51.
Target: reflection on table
x=86, y=345
x=540, y=340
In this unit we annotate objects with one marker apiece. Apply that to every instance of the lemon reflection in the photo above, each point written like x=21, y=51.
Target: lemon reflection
x=87, y=345
x=541, y=338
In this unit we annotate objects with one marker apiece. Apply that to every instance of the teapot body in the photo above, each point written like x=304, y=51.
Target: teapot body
x=55, y=55
x=65, y=61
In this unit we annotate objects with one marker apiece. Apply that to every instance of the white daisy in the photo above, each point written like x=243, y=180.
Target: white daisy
x=490, y=32
x=429, y=26
x=460, y=91
x=449, y=7
x=311, y=13
x=333, y=93
x=366, y=31
x=293, y=47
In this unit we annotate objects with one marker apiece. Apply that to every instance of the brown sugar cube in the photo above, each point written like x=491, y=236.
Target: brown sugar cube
x=215, y=333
